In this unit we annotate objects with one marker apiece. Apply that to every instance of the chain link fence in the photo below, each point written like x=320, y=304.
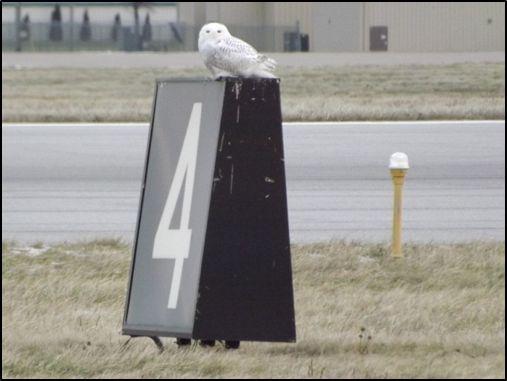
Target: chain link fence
x=170, y=37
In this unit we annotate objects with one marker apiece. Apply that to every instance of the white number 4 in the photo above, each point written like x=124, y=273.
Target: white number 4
x=175, y=243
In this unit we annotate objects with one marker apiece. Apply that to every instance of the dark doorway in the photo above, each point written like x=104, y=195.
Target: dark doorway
x=305, y=43
x=378, y=38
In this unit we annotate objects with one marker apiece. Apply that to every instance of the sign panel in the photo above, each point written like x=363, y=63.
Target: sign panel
x=174, y=206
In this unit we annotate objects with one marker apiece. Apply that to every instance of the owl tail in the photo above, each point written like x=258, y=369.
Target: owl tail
x=267, y=63
x=264, y=74
x=264, y=67
x=270, y=64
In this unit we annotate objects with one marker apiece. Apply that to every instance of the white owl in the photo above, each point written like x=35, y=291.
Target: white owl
x=225, y=55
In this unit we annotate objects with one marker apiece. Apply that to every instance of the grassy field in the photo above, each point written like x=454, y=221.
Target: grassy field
x=406, y=92
x=360, y=314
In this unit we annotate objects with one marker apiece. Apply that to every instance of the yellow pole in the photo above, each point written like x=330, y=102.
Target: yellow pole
x=398, y=166
x=398, y=176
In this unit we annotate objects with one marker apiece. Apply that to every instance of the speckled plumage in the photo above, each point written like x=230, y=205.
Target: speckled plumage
x=226, y=55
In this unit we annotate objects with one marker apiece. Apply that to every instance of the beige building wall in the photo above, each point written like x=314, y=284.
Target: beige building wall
x=337, y=27
x=234, y=13
x=251, y=13
x=345, y=26
x=288, y=13
x=260, y=23
x=244, y=20
x=437, y=27
x=284, y=16
x=191, y=14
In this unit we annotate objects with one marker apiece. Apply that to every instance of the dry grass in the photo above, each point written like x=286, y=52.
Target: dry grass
x=407, y=92
x=437, y=313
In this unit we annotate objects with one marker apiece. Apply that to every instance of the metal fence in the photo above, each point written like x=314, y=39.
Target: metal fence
x=169, y=37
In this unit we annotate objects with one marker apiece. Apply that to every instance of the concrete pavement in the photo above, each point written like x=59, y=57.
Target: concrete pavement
x=68, y=182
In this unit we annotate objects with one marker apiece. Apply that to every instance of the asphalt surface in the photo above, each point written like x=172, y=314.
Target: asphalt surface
x=181, y=60
x=68, y=182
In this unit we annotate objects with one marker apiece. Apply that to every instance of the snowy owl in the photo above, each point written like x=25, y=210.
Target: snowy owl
x=225, y=55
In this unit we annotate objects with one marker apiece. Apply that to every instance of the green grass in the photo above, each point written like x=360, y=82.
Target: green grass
x=343, y=93
x=439, y=312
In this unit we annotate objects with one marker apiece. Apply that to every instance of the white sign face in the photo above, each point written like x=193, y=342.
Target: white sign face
x=175, y=243
x=173, y=211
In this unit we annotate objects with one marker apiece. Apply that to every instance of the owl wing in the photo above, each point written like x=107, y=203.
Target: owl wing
x=234, y=54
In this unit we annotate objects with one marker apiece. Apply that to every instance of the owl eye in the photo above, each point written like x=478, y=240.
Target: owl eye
x=219, y=31
x=207, y=31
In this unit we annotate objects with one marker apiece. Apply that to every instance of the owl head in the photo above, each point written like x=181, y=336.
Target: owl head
x=213, y=31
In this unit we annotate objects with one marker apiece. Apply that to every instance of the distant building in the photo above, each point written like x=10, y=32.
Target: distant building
x=366, y=26
x=274, y=26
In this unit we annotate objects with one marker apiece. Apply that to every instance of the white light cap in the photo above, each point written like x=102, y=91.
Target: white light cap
x=399, y=160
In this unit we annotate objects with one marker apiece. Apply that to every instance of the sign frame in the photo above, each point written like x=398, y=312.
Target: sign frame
x=257, y=131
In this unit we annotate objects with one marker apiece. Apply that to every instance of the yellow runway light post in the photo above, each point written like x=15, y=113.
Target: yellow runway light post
x=398, y=166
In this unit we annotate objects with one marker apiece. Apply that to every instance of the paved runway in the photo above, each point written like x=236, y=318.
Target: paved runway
x=69, y=182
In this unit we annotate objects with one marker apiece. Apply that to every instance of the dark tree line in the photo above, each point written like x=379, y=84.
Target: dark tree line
x=85, y=31
x=55, y=28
